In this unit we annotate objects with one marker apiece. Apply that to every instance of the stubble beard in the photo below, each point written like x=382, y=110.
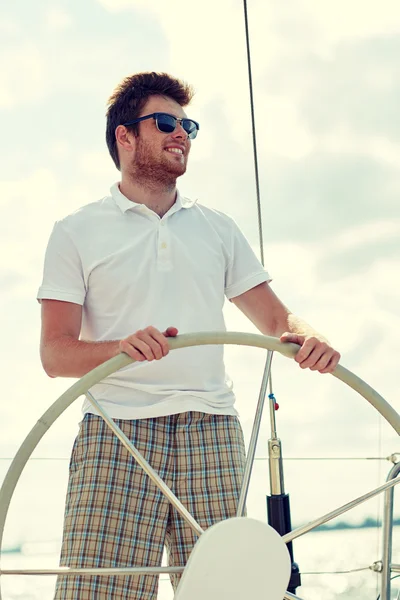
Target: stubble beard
x=154, y=172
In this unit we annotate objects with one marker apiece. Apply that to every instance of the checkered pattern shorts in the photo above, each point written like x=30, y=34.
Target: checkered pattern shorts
x=115, y=516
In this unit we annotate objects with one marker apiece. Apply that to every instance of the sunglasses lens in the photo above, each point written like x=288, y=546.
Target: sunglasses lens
x=190, y=127
x=166, y=123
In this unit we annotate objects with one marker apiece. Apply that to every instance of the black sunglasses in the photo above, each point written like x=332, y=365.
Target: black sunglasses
x=167, y=123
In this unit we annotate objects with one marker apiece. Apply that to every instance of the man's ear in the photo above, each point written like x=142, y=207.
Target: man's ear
x=126, y=140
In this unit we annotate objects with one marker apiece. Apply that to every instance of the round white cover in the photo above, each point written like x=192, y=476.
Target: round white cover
x=237, y=559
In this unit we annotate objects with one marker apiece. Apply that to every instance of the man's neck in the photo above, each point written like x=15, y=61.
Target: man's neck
x=159, y=197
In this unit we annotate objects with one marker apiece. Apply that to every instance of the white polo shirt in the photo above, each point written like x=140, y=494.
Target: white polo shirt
x=129, y=268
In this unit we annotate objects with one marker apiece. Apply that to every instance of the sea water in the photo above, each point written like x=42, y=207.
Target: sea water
x=323, y=552
x=34, y=525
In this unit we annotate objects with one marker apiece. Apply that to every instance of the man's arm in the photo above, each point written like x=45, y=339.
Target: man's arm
x=63, y=354
x=263, y=307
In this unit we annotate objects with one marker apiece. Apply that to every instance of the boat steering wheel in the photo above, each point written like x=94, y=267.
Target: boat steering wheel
x=83, y=385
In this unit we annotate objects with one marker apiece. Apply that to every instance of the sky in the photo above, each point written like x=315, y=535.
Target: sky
x=326, y=92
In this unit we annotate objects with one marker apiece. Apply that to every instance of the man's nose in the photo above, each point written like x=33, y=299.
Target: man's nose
x=179, y=132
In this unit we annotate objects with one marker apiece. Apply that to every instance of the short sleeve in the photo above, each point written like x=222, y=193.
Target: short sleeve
x=244, y=270
x=63, y=277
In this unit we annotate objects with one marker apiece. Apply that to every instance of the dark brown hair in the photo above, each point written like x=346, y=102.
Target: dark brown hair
x=129, y=97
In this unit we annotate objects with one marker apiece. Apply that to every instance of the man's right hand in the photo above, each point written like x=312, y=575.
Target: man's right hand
x=63, y=354
x=147, y=344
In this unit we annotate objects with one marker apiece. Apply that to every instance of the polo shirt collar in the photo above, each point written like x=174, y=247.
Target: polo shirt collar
x=125, y=204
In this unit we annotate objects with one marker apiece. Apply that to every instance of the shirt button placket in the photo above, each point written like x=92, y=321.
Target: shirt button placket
x=163, y=246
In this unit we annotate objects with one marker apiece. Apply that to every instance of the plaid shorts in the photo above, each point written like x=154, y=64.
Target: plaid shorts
x=115, y=516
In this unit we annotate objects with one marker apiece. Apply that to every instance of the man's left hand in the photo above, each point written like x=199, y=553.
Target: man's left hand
x=315, y=353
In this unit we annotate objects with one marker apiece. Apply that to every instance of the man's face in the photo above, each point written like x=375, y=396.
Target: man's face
x=160, y=157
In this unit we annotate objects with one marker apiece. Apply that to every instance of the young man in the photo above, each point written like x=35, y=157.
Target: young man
x=122, y=275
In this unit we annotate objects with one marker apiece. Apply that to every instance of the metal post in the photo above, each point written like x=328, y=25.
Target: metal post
x=387, y=535
x=278, y=503
x=254, y=436
x=338, y=511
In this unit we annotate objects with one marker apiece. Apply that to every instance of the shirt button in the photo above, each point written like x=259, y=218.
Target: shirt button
x=163, y=245
x=162, y=223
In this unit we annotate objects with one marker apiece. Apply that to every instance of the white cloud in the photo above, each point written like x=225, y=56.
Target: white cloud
x=95, y=162
x=57, y=19
x=377, y=147
x=24, y=76
x=32, y=202
x=365, y=233
x=280, y=129
x=9, y=26
x=120, y=4
x=340, y=20
x=60, y=148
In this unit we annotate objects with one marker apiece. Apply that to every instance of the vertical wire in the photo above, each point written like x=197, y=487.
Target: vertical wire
x=255, y=154
x=379, y=502
x=253, y=126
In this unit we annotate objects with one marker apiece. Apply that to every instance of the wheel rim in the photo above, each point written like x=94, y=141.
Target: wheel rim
x=182, y=341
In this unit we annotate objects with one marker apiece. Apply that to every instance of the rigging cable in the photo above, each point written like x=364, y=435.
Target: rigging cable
x=253, y=127
x=358, y=570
